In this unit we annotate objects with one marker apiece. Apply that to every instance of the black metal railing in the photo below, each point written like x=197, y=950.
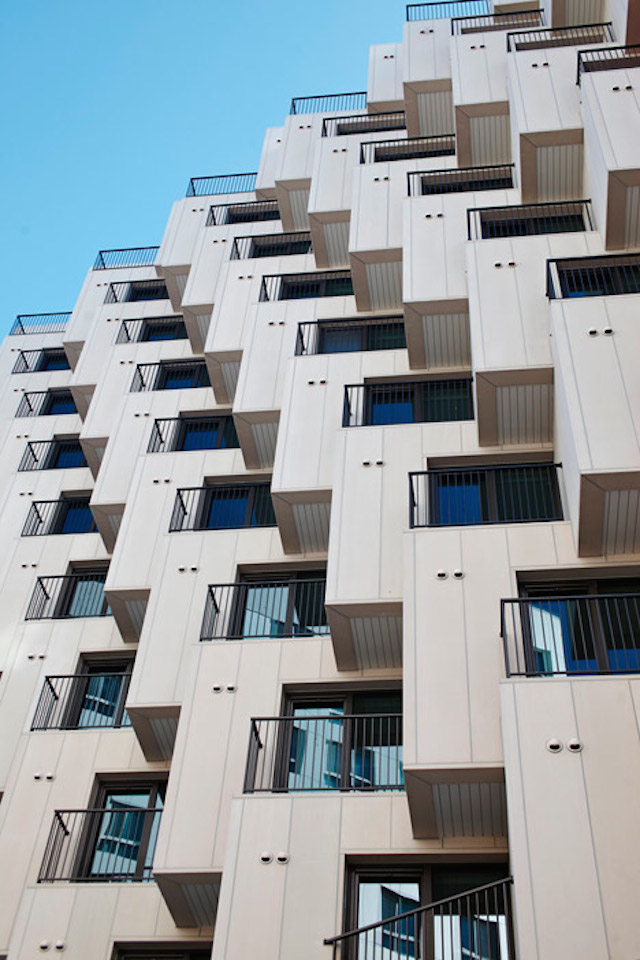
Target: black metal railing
x=223, y=507
x=28, y=323
x=254, y=212
x=64, y=516
x=193, y=433
x=38, y=361
x=82, y=701
x=68, y=597
x=53, y=454
x=271, y=245
x=526, y=220
x=45, y=403
x=497, y=21
x=602, y=276
x=301, y=286
x=562, y=634
x=407, y=401
x=170, y=375
x=329, y=103
x=136, y=291
x=129, y=257
x=336, y=752
x=225, y=183
x=349, y=336
x=415, y=148
x=506, y=493
x=257, y=609
x=104, y=845
x=607, y=58
x=152, y=330
x=475, y=924
x=424, y=183
x=594, y=634
x=559, y=37
x=447, y=8
x=363, y=123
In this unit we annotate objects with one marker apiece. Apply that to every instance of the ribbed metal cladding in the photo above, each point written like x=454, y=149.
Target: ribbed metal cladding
x=470, y=809
x=299, y=201
x=525, y=413
x=447, y=341
x=621, y=522
x=384, y=281
x=559, y=171
x=435, y=113
x=336, y=237
x=490, y=139
x=312, y=526
x=377, y=641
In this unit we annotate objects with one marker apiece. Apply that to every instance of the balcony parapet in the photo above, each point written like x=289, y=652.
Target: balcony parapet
x=607, y=58
x=224, y=183
x=527, y=220
x=126, y=257
x=407, y=401
x=82, y=701
x=559, y=37
x=262, y=609
x=329, y=103
x=39, y=323
x=492, y=22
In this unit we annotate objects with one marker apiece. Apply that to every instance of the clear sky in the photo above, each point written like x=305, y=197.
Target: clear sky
x=109, y=108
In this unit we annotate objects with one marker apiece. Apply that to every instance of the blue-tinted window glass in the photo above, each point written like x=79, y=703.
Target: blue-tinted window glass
x=156, y=330
x=119, y=845
x=227, y=508
x=67, y=454
x=392, y=404
x=201, y=435
x=76, y=518
x=59, y=403
x=459, y=498
x=53, y=360
x=340, y=339
x=100, y=700
x=87, y=597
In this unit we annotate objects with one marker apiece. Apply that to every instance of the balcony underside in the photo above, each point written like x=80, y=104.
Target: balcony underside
x=515, y=406
x=437, y=334
x=366, y=636
x=330, y=238
x=257, y=434
x=82, y=396
x=128, y=608
x=93, y=449
x=623, y=206
x=429, y=107
x=293, y=202
x=191, y=896
x=573, y=13
x=224, y=370
x=175, y=278
x=303, y=520
x=609, y=514
x=197, y=319
x=156, y=728
x=108, y=517
x=551, y=165
x=377, y=279
x=483, y=134
x=457, y=802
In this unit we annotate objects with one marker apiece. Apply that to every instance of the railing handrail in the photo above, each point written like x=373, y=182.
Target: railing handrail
x=56, y=326
x=571, y=30
x=86, y=676
x=120, y=808
x=440, y=3
x=329, y=941
x=236, y=182
x=324, y=716
x=104, y=257
x=324, y=98
x=482, y=467
x=561, y=207
x=266, y=583
x=590, y=56
x=505, y=17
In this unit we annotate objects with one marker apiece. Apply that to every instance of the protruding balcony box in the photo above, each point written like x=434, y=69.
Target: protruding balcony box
x=596, y=340
x=311, y=418
x=480, y=99
x=385, y=90
x=292, y=167
x=612, y=139
x=270, y=162
x=510, y=334
x=546, y=121
x=193, y=840
x=426, y=73
x=434, y=278
x=570, y=794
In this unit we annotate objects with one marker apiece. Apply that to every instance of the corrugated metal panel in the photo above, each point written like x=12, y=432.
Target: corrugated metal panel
x=114, y=520
x=470, y=809
x=336, y=236
x=632, y=218
x=385, y=285
x=230, y=374
x=490, y=139
x=525, y=413
x=584, y=11
x=181, y=282
x=312, y=524
x=136, y=610
x=265, y=436
x=621, y=522
x=446, y=340
x=203, y=320
x=299, y=200
x=435, y=112
x=164, y=730
x=203, y=901
x=377, y=641
x=559, y=172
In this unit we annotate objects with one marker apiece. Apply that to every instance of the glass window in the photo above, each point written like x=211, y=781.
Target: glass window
x=238, y=506
x=209, y=434
x=494, y=495
x=101, y=694
x=83, y=595
x=53, y=360
x=145, y=290
x=74, y=516
x=66, y=454
x=58, y=402
x=155, y=330
x=291, y=608
x=127, y=831
x=181, y=376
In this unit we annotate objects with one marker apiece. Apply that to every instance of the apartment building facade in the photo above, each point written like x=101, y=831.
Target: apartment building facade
x=320, y=593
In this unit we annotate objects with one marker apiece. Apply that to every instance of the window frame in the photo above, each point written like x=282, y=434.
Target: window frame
x=87, y=669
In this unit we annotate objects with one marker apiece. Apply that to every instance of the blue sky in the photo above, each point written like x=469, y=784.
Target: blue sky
x=109, y=109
